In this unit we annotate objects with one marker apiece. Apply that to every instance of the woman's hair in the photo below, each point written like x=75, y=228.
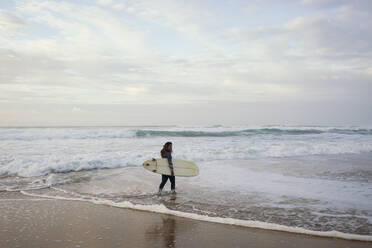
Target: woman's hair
x=166, y=148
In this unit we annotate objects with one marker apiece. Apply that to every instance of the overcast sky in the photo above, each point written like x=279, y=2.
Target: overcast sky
x=119, y=62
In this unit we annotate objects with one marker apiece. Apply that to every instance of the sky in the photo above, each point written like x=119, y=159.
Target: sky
x=160, y=62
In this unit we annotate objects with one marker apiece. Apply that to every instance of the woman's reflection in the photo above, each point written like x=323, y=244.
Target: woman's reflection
x=167, y=230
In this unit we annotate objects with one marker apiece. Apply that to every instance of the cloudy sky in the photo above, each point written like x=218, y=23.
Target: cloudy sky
x=136, y=62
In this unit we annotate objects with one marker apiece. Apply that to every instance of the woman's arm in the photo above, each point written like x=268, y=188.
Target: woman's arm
x=169, y=157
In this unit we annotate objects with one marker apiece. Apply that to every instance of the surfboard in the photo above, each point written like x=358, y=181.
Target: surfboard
x=182, y=168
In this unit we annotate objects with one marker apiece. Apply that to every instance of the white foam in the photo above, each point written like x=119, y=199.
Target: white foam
x=244, y=223
x=31, y=152
x=48, y=157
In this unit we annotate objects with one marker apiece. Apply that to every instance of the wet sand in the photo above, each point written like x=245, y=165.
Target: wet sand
x=39, y=222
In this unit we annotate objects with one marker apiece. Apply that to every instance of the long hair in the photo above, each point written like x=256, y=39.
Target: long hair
x=166, y=148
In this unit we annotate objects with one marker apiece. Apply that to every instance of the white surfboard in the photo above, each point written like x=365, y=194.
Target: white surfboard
x=182, y=168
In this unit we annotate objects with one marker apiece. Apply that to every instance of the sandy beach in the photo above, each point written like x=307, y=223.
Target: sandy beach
x=40, y=222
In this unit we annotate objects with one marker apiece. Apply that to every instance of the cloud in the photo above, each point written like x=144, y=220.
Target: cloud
x=188, y=18
x=104, y=2
x=10, y=24
x=327, y=4
x=323, y=3
x=78, y=33
x=345, y=32
x=76, y=109
x=369, y=71
x=155, y=53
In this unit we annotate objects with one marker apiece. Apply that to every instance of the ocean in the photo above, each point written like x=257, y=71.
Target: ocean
x=305, y=179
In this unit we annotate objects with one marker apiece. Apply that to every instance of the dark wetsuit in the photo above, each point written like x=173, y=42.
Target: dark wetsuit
x=164, y=178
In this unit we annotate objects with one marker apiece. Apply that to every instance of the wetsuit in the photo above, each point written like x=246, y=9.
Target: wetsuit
x=164, y=178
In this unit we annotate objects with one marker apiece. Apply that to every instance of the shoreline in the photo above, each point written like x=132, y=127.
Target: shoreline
x=159, y=209
x=29, y=221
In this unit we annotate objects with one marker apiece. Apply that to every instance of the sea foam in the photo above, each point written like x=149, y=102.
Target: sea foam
x=40, y=151
x=231, y=221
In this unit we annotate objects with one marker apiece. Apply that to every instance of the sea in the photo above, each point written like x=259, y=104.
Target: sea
x=315, y=180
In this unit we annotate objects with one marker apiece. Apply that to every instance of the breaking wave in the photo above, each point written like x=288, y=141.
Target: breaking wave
x=29, y=134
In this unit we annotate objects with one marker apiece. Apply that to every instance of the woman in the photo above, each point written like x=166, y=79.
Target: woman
x=166, y=152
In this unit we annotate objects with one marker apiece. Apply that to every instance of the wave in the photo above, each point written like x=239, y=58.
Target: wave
x=249, y=132
x=29, y=134
x=246, y=132
x=45, y=166
x=230, y=221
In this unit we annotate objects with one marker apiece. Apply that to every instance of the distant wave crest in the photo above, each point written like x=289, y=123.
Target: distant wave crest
x=249, y=132
x=122, y=133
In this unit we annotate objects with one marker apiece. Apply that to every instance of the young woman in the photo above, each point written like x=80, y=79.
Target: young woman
x=166, y=152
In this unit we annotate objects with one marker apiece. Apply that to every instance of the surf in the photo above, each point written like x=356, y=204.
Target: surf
x=161, y=209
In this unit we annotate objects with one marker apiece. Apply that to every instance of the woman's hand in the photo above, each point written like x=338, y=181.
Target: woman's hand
x=172, y=173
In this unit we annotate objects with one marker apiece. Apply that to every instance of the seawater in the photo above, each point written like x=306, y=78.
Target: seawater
x=315, y=180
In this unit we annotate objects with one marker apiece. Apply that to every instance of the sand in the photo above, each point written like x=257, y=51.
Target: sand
x=39, y=222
